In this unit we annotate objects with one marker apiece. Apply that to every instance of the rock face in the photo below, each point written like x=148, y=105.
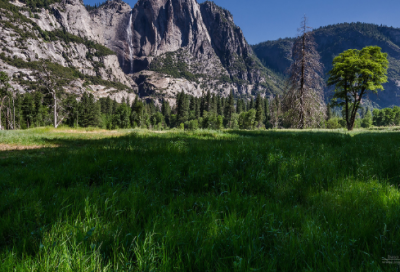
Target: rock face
x=200, y=39
x=25, y=42
x=162, y=47
x=228, y=41
x=333, y=40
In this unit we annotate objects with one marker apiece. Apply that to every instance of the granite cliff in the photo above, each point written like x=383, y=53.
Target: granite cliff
x=155, y=50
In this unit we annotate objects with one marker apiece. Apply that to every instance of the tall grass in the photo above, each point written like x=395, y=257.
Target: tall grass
x=200, y=201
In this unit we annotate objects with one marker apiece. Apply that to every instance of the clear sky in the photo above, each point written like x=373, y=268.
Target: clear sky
x=263, y=20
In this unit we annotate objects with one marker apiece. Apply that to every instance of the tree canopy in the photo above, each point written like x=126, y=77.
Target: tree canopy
x=355, y=73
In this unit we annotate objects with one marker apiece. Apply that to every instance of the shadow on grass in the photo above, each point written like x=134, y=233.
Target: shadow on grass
x=151, y=176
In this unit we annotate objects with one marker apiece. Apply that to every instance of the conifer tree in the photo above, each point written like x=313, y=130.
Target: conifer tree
x=251, y=105
x=219, y=106
x=229, y=110
x=303, y=102
x=166, y=112
x=137, y=113
x=197, y=108
x=208, y=104
x=202, y=105
x=259, y=111
x=28, y=109
x=328, y=112
x=182, y=108
x=266, y=111
x=109, y=106
x=275, y=112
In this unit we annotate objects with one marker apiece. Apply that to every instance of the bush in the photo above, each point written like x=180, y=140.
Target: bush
x=334, y=123
x=193, y=125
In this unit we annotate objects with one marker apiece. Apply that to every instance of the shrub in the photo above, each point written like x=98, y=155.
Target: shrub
x=334, y=123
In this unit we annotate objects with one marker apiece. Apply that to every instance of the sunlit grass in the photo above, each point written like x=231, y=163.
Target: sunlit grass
x=134, y=200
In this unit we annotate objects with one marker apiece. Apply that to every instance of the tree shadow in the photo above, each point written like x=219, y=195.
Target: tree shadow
x=147, y=172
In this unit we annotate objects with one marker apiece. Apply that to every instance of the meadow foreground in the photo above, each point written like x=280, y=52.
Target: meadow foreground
x=132, y=200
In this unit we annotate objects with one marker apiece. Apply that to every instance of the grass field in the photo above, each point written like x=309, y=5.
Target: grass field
x=77, y=200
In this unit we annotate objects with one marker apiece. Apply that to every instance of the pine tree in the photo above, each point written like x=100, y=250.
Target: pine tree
x=229, y=110
x=208, y=104
x=239, y=106
x=137, y=113
x=219, y=106
x=251, y=106
x=213, y=107
x=202, y=105
x=182, y=108
x=109, y=106
x=259, y=111
x=28, y=110
x=266, y=111
x=367, y=120
x=275, y=112
x=303, y=102
x=39, y=109
x=328, y=112
x=166, y=112
x=197, y=108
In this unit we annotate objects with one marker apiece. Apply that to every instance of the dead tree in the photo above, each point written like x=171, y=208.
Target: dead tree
x=303, y=102
x=50, y=84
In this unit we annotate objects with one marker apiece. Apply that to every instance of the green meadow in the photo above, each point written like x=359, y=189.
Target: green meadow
x=136, y=200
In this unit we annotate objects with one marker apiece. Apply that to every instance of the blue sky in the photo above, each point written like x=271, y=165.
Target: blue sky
x=263, y=20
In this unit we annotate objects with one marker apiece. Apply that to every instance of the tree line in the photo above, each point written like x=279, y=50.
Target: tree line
x=210, y=111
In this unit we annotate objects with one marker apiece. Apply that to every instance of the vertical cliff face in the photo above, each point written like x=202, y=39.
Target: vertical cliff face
x=164, y=34
x=161, y=26
x=229, y=43
x=186, y=46
x=111, y=20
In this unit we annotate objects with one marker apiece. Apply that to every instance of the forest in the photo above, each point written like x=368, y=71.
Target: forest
x=189, y=113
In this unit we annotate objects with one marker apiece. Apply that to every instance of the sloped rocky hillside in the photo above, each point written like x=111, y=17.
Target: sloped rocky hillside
x=30, y=37
x=333, y=40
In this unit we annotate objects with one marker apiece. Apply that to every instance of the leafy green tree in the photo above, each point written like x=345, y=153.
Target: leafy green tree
x=354, y=74
x=157, y=119
x=367, y=120
x=247, y=120
x=121, y=117
x=193, y=124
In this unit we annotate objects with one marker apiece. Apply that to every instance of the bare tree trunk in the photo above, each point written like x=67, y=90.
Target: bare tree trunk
x=302, y=117
x=303, y=102
x=14, y=113
x=55, y=110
